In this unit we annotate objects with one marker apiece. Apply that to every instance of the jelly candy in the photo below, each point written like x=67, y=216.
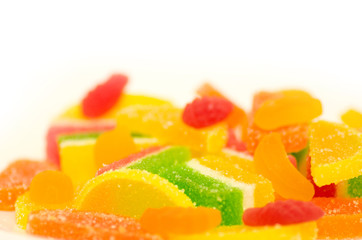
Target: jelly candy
x=351, y=188
x=272, y=162
x=112, y=146
x=235, y=143
x=257, y=190
x=177, y=220
x=104, y=96
x=294, y=137
x=153, y=159
x=336, y=152
x=76, y=225
x=352, y=118
x=282, y=212
x=16, y=178
x=287, y=110
x=303, y=231
x=113, y=191
x=206, y=111
x=342, y=219
x=165, y=123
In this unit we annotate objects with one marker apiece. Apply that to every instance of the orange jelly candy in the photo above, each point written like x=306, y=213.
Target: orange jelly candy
x=113, y=145
x=342, y=219
x=294, y=137
x=287, y=108
x=51, y=187
x=16, y=178
x=271, y=160
x=77, y=225
x=236, y=117
x=178, y=220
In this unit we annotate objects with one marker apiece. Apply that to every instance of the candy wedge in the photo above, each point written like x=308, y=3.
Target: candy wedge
x=113, y=191
x=336, y=152
x=351, y=188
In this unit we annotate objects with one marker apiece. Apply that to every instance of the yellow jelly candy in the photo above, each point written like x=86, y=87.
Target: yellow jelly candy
x=303, y=231
x=336, y=152
x=352, y=118
x=165, y=123
x=112, y=146
x=292, y=108
x=129, y=192
x=24, y=205
x=257, y=190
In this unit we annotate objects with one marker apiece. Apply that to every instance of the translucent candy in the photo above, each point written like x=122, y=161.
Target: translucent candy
x=336, y=152
x=303, y=231
x=113, y=191
x=272, y=162
x=165, y=123
x=177, y=220
x=353, y=119
x=76, y=225
x=16, y=178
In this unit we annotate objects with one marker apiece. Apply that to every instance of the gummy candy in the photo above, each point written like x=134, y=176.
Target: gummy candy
x=153, y=160
x=165, y=123
x=290, y=109
x=77, y=225
x=282, y=212
x=16, y=178
x=351, y=188
x=177, y=220
x=352, y=118
x=112, y=146
x=272, y=162
x=235, y=143
x=342, y=219
x=294, y=137
x=206, y=111
x=51, y=187
x=104, y=96
x=336, y=152
x=303, y=231
x=113, y=191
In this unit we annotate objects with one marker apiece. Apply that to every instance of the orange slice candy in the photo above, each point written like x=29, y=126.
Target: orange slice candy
x=272, y=162
x=76, y=225
x=293, y=107
x=178, y=220
x=113, y=145
x=16, y=178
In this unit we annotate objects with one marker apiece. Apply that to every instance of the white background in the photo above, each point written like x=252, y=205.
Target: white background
x=51, y=53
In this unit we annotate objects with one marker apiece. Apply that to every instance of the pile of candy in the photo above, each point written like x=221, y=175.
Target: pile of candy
x=122, y=166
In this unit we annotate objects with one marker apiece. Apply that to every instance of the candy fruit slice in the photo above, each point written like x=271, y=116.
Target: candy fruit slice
x=76, y=225
x=271, y=161
x=129, y=193
x=16, y=178
x=351, y=188
x=303, y=231
x=336, y=152
x=165, y=122
x=353, y=119
x=178, y=220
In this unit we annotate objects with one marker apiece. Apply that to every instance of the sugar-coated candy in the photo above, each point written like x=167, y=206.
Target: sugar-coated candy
x=16, y=178
x=234, y=142
x=178, y=220
x=104, y=96
x=352, y=118
x=351, y=188
x=78, y=225
x=113, y=191
x=206, y=111
x=336, y=152
x=282, y=212
x=272, y=162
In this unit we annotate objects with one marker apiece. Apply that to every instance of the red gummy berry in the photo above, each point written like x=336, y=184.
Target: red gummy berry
x=283, y=213
x=324, y=191
x=234, y=143
x=104, y=96
x=206, y=111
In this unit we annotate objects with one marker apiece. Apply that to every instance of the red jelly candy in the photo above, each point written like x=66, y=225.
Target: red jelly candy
x=282, y=212
x=206, y=111
x=324, y=191
x=102, y=98
x=234, y=143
